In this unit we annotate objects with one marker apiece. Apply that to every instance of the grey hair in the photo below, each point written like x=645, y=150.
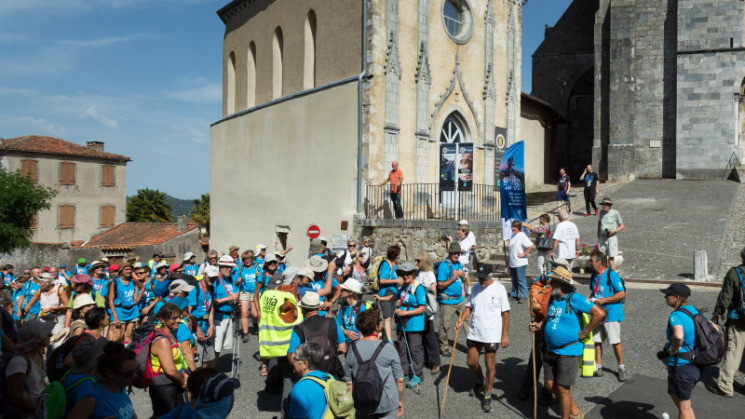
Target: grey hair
x=312, y=353
x=563, y=215
x=212, y=252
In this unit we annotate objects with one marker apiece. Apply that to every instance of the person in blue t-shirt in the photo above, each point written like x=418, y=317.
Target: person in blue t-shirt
x=8, y=276
x=25, y=294
x=352, y=305
x=246, y=282
x=190, y=264
x=411, y=302
x=564, y=336
x=225, y=298
x=682, y=375
x=310, y=304
x=306, y=395
x=80, y=380
x=450, y=295
x=610, y=297
x=388, y=289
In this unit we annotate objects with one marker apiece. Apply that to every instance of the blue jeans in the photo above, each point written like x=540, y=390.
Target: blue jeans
x=519, y=282
x=396, y=199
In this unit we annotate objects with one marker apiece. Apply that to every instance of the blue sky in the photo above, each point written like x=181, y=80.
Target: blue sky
x=144, y=76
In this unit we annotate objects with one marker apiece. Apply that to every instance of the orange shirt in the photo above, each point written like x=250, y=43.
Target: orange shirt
x=396, y=177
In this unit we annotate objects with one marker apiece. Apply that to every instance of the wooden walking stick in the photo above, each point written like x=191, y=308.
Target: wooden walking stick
x=532, y=354
x=450, y=368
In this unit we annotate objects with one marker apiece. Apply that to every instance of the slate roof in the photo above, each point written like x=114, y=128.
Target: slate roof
x=131, y=234
x=50, y=145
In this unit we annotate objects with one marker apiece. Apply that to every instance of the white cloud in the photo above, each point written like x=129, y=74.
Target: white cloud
x=93, y=114
x=31, y=125
x=101, y=42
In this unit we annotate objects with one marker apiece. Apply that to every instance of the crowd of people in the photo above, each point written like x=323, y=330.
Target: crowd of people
x=325, y=328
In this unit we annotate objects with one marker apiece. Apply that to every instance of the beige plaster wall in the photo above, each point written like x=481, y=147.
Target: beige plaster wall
x=537, y=129
x=87, y=195
x=338, y=45
x=290, y=164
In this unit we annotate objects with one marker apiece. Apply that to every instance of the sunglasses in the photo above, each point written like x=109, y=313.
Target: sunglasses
x=27, y=273
x=172, y=318
x=352, y=245
x=212, y=258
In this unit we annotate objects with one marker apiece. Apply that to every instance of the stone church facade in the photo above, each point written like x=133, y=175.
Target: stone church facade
x=321, y=96
x=649, y=88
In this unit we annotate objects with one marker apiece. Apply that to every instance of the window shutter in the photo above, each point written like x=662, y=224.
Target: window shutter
x=33, y=222
x=107, y=175
x=66, y=216
x=67, y=173
x=107, y=216
x=30, y=169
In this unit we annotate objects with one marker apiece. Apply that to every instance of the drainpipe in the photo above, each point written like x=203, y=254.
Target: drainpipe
x=363, y=75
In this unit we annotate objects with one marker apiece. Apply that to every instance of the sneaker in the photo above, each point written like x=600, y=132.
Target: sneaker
x=587, y=214
x=435, y=370
x=579, y=415
x=245, y=338
x=598, y=373
x=446, y=353
x=486, y=404
x=622, y=377
x=714, y=388
x=477, y=389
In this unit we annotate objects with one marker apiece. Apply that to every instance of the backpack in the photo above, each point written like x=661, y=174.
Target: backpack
x=55, y=362
x=9, y=409
x=708, y=346
x=449, y=264
x=142, y=338
x=368, y=386
x=430, y=308
x=339, y=401
x=610, y=285
x=324, y=335
x=374, y=274
x=740, y=311
x=52, y=403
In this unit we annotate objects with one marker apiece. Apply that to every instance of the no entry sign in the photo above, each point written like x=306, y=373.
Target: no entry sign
x=314, y=231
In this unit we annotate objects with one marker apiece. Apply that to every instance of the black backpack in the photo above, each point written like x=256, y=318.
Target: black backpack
x=708, y=346
x=323, y=332
x=610, y=285
x=55, y=362
x=368, y=386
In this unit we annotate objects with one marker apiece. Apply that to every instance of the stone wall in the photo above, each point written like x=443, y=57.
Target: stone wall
x=415, y=236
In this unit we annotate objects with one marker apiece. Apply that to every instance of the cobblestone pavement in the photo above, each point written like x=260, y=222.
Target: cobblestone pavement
x=643, y=396
x=665, y=222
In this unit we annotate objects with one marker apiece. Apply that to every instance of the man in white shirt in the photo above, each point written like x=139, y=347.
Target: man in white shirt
x=566, y=239
x=489, y=326
x=467, y=242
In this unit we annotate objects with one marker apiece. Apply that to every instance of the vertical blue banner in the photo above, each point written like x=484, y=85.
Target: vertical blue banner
x=512, y=183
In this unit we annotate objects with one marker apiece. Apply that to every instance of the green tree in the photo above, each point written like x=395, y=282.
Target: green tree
x=150, y=206
x=20, y=200
x=200, y=212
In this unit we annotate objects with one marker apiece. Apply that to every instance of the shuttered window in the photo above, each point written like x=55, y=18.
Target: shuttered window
x=30, y=168
x=33, y=222
x=107, y=175
x=107, y=216
x=67, y=173
x=66, y=216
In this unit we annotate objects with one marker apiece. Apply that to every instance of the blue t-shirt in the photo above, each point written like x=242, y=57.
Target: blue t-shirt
x=455, y=289
x=295, y=339
x=8, y=278
x=184, y=411
x=28, y=291
x=78, y=269
x=223, y=288
x=689, y=333
x=385, y=272
x=101, y=286
x=260, y=263
x=112, y=404
x=191, y=269
x=79, y=392
x=318, y=285
x=562, y=328
x=248, y=276
x=263, y=279
x=306, y=396
x=183, y=333
x=125, y=294
x=599, y=289
x=203, y=296
x=347, y=316
x=411, y=301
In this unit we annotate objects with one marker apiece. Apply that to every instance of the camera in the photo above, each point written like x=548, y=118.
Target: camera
x=444, y=237
x=607, y=233
x=662, y=354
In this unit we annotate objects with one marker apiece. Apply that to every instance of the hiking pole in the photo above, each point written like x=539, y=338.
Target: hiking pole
x=532, y=354
x=235, y=371
x=450, y=368
x=411, y=360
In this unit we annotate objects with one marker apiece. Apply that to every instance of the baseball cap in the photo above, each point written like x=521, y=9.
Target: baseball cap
x=677, y=289
x=178, y=286
x=211, y=271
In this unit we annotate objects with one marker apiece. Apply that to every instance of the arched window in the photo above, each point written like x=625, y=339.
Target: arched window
x=277, y=64
x=309, y=73
x=230, y=97
x=251, y=76
x=452, y=130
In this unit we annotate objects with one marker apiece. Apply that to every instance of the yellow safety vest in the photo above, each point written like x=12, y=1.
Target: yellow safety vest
x=274, y=333
x=588, y=352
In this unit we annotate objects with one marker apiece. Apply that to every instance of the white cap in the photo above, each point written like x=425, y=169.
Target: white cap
x=211, y=271
x=188, y=255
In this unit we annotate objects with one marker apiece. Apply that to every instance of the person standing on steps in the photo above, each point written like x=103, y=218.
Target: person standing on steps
x=563, y=186
x=396, y=177
x=592, y=188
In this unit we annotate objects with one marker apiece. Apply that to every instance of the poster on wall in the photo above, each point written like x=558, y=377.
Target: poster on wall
x=447, y=167
x=512, y=184
x=500, y=140
x=465, y=167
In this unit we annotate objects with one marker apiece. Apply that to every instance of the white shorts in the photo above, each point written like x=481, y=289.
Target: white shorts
x=610, y=331
x=247, y=296
x=223, y=334
x=609, y=246
x=206, y=350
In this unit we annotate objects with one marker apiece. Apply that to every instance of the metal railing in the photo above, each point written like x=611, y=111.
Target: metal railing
x=425, y=201
x=732, y=164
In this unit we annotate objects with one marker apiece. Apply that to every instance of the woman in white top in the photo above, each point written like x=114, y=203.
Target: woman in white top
x=53, y=301
x=427, y=279
x=24, y=375
x=520, y=248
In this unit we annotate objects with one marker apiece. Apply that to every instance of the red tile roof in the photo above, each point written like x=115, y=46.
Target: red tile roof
x=131, y=234
x=51, y=145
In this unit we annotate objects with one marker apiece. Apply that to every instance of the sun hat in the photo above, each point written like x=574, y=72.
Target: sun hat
x=271, y=257
x=82, y=300
x=483, y=271
x=561, y=274
x=454, y=248
x=178, y=286
x=406, y=267
x=606, y=201
x=289, y=274
x=188, y=256
x=218, y=387
x=46, y=277
x=82, y=279
x=123, y=267
x=85, y=354
x=678, y=289
x=311, y=301
x=462, y=223
x=259, y=247
x=226, y=260
x=105, y=260
x=161, y=264
x=81, y=260
x=211, y=271
x=45, y=269
x=174, y=267
x=114, y=268
x=352, y=285
x=33, y=332
x=307, y=272
x=233, y=248
x=138, y=265
x=316, y=264
x=315, y=247
x=97, y=264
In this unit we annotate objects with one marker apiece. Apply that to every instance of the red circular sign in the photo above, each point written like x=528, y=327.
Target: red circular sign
x=314, y=231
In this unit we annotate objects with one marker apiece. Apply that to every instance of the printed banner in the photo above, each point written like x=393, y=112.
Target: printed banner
x=465, y=167
x=512, y=183
x=447, y=167
x=500, y=135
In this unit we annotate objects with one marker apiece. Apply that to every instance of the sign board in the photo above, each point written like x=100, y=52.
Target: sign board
x=313, y=231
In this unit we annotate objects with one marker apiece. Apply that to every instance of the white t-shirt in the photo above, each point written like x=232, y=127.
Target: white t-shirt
x=566, y=234
x=518, y=244
x=487, y=305
x=427, y=278
x=465, y=248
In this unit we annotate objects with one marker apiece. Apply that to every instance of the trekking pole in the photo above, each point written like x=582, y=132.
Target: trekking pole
x=411, y=360
x=450, y=368
x=532, y=354
x=235, y=371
